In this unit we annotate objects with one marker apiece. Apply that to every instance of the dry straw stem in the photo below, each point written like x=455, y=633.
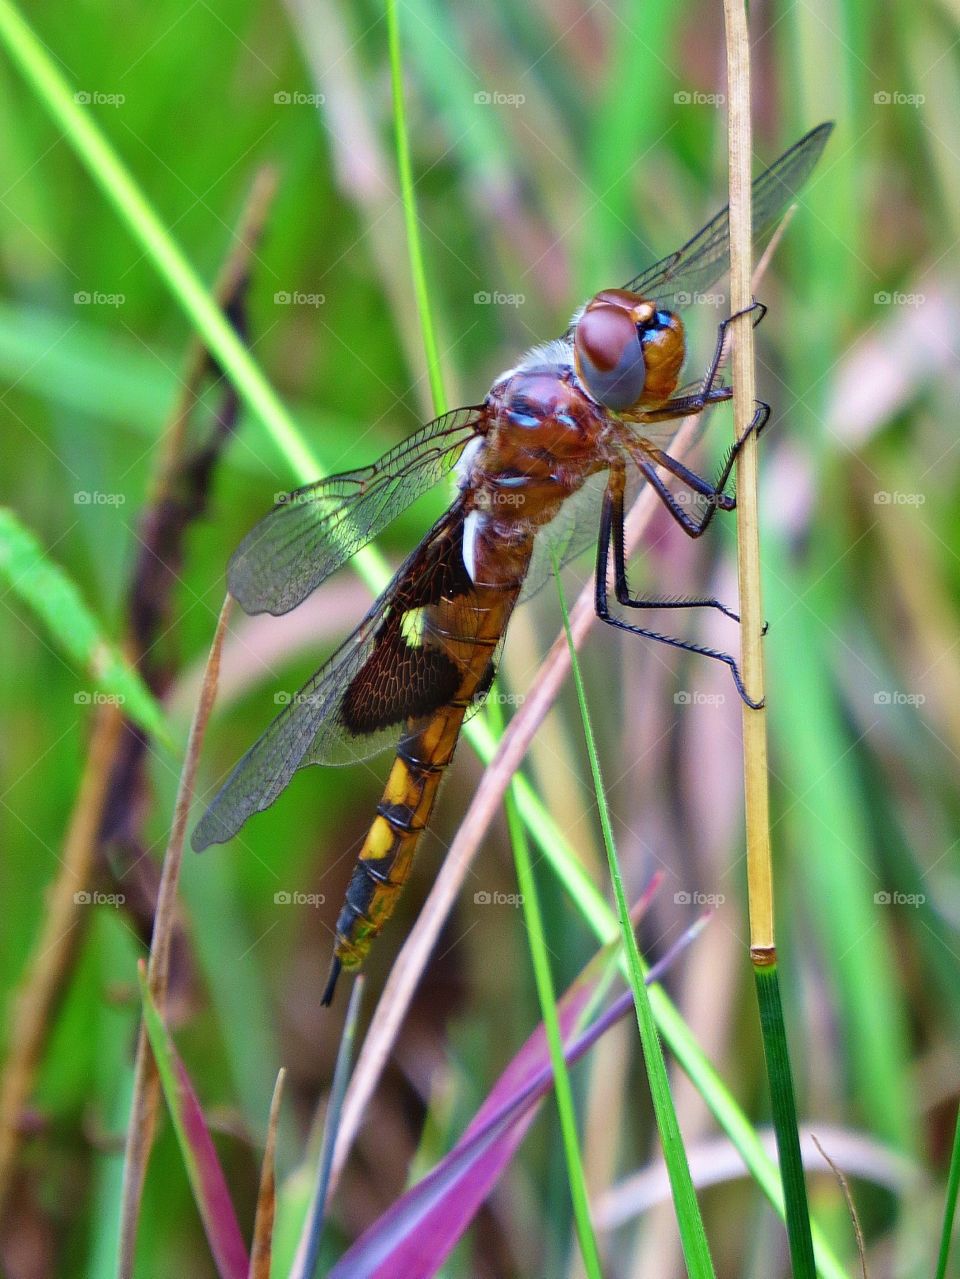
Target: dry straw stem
x=851, y=1207
x=756, y=795
x=261, y=1246
x=30, y=1019
x=146, y=1083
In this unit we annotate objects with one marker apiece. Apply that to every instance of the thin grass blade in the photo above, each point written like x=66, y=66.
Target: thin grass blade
x=693, y=1237
x=308, y=1250
x=950, y=1204
x=540, y=957
x=414, y=247
x=56, y=600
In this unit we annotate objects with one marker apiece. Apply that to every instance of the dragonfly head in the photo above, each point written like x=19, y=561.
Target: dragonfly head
x=626, y=351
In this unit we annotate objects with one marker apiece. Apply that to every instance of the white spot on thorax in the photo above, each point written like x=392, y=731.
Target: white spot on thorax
x=472, y=527
x=467, y=459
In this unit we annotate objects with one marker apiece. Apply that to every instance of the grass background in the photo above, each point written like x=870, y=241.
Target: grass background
x=612, y=157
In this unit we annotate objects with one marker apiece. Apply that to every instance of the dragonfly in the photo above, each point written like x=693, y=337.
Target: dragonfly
x=599, y=404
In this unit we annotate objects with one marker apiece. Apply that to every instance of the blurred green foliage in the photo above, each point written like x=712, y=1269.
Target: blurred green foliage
x=555, y=152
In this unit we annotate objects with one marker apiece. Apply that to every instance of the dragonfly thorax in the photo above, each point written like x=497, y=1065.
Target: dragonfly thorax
x=548, y=434
x=547, y=437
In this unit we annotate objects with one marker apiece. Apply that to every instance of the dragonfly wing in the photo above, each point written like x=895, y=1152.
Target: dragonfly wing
x=573, y=530
x=316, y=529
x=353, y=706
x=674, y=280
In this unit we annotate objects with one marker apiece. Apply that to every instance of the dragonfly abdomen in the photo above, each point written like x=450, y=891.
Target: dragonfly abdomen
x=386, y=858
x=424, y=753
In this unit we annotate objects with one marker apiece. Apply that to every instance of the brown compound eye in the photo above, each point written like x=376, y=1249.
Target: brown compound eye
x=608, y=355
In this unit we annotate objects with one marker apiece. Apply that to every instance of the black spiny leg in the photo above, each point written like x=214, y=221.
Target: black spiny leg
x=611, y=528
x=717, y=499
x=708, y=393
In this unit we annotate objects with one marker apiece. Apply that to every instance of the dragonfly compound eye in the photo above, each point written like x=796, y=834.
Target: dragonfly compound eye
x=608, y=354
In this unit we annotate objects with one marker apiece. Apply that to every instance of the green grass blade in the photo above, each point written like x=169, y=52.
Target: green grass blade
x=785, y=1120
x=586, y=898
x=307, y=1260
x=950, y=1206
x=532, y=914
x=414, y=247
x=540, y=957
x=693, y=1237
x=56, y=600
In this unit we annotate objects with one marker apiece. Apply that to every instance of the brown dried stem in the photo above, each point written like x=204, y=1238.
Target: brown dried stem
x=261, y=1247
x=146, y=1084
x=146, y=1091
x=30, y=1018
x=756, y=794
x=111, y=737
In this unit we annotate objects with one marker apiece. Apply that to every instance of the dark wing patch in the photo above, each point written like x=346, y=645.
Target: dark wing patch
x=317, y=529
x=352, y=707
x=402, y=678
x=398, y=679
x=705, y=258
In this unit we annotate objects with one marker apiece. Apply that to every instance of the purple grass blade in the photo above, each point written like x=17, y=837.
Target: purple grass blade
x=416, y=1234
x=207, y=1181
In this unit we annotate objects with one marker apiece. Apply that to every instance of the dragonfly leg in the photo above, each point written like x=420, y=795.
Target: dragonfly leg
x=611, y=531
x=335, y=969
x=709, y=392
x=717, y=499
x=620, y=573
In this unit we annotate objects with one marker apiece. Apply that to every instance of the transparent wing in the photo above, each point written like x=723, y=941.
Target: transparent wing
x=317, y=529
x=674, y=280
x=573, y=531
x=352, y=708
